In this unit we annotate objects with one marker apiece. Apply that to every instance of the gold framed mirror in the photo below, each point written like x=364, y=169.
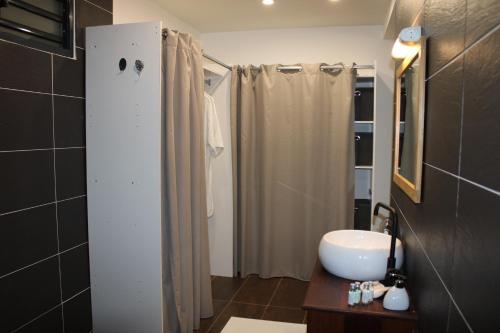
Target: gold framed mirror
x=409, y=123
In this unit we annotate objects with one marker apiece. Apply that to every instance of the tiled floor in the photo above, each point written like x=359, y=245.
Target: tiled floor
x=278, y=299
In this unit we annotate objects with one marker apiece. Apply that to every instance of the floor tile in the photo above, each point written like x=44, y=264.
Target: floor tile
x=284, y=314
x=207, y=322
x=290, y=293
x=237, y=310
x=224, y=288
x=257, y=291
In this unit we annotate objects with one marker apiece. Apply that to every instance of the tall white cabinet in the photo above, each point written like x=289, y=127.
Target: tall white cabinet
x=124, y=176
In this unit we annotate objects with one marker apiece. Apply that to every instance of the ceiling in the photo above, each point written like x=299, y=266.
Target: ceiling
x=236, y=15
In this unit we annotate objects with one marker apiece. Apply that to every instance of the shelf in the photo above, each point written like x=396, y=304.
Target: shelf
x=363, y=122
x=364, y=167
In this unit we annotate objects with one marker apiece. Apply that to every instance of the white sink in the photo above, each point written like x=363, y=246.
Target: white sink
x=358, y=255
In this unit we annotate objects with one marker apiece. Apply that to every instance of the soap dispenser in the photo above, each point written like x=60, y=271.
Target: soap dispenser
x=397, y=297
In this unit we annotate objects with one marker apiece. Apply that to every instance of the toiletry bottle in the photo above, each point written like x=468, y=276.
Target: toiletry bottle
x=357, y=293
x=371, y=291
x=365, y=294
x=397, y=297
x=352, y=295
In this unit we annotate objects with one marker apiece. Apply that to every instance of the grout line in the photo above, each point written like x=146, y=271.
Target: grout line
x=24, y=209
x=432, y=265
x=40, y=92
x=93, y=4
x=42, y=260
x=464, y=179
x=40, y=149
x=72, y=198
x=42, y=205
x=26, y=91
x=272, y=297
x=55, y=187
x=74, y=247
x=264, y=305
x=68, y=96
x=28, y=266
x=25, y=150
x=467, y=49
x=34, y=319
x=76, y=295
x=227, y=305
x=76, y=147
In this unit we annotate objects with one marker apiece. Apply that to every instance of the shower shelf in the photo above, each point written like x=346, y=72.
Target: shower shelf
x=364, y=167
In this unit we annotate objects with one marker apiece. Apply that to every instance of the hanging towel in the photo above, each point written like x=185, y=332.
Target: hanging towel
x=213, y=146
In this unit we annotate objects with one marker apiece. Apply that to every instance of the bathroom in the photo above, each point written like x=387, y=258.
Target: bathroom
x=112, y=220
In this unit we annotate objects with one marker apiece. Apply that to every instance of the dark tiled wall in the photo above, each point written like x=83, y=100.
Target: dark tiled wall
x=451, y=239
x=44, y=271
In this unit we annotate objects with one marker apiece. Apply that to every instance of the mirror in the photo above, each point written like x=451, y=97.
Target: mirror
x=409, y=123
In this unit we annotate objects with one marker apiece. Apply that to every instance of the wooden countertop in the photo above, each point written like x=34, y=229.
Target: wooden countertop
x=327, y=292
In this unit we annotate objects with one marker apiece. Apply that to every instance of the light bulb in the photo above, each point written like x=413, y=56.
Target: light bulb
x=268, y=2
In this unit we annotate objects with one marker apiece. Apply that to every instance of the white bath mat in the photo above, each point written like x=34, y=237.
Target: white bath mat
x=244, y=325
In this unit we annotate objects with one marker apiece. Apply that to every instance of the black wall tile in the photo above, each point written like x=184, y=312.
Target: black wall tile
x=27, y=237
x=28, y=293
x=72, y=218
x=437, y=220
x=78, y=314
x=27, y=179
x=476, y=261
x=24, y=68
x=69, y=120
x=50, y=322
x=88, y=15
x=25, y=121
x=444, y=117
x=69, y=75
x=406, y=12
x=106, y=4
x=70, y=171
x=75, y=271
x=482, y=16
x=444, y=23
x=425, y=288
x=456, y=323
x=481, y=128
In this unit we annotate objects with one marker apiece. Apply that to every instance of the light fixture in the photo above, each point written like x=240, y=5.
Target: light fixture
x=407, y=42
x=268, y=2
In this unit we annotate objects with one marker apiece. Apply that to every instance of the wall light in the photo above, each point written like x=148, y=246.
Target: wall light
x=268, y=2
x=407, y=42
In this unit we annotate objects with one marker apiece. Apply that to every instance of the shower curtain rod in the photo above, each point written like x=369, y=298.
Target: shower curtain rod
x=209, y=57
x=217, y=61
x=324, y=67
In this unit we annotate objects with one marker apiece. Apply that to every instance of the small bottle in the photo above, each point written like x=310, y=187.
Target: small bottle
x=371, y=290
x=357, y=293
x=352, y=295
x=365, y=295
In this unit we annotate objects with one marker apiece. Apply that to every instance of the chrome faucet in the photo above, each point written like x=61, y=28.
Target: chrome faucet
x=391, y=228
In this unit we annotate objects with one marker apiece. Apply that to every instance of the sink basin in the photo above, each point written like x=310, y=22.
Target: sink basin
x=357, y=255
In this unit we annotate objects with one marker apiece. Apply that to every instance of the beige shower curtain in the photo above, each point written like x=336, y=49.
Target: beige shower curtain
x=293, y=165
x=187, y=292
